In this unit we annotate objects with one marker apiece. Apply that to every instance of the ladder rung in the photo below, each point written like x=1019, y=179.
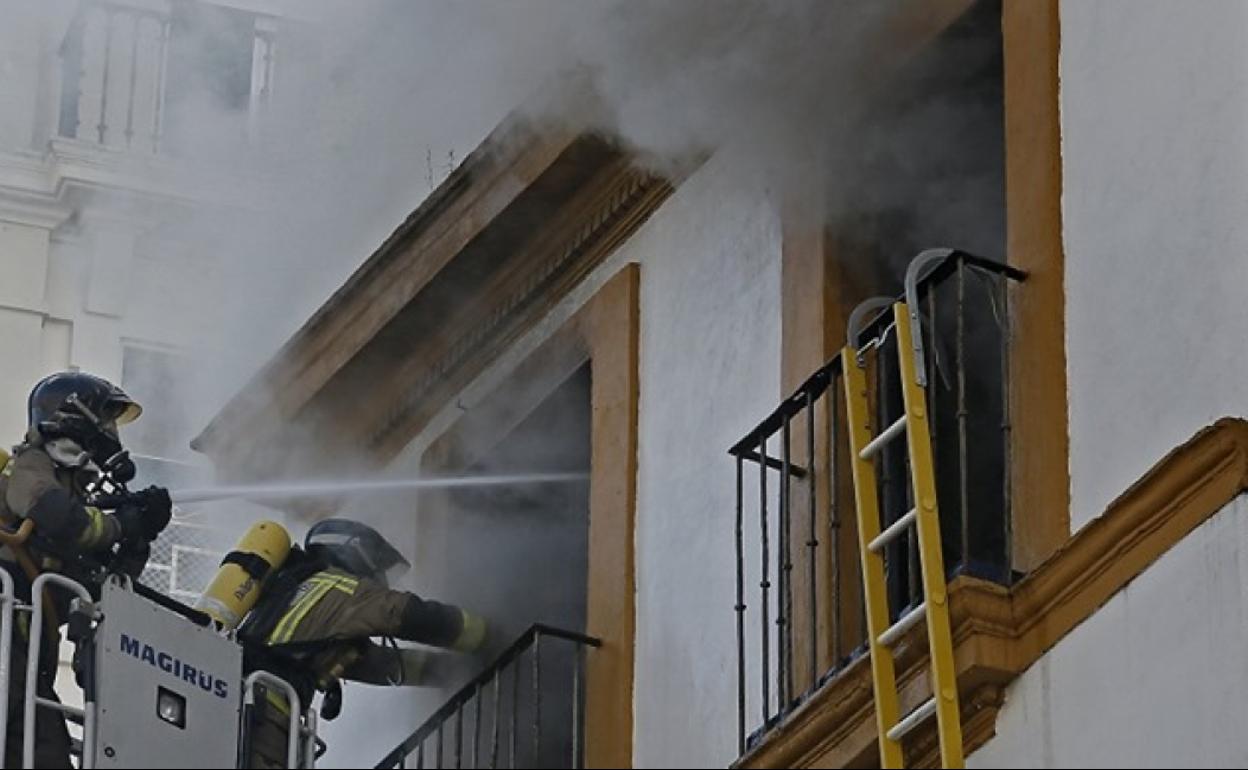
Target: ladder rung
x=893, y=531
x=907, y=622
x=912, y=720
x=877, y=443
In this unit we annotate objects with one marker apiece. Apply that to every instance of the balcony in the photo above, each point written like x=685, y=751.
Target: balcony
x=799, y=610
x=526, y=709
x=135, y=74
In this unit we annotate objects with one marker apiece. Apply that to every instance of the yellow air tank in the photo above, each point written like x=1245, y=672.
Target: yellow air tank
x=234, y=590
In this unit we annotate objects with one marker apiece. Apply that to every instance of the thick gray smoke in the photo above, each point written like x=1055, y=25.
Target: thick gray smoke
x=375, y=101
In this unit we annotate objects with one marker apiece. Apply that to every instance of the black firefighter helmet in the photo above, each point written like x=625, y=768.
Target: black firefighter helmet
x=356, y=548
x=83, y=408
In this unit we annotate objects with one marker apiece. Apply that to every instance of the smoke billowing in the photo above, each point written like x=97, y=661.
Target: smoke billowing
x=368, y=104
x=283, y=166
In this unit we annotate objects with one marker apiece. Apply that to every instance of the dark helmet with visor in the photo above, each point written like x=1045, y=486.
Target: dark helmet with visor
x=356, y=548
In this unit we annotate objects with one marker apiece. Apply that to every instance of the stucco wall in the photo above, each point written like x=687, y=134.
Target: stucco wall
x=1155, y=678
x=710, y=369
x=1154, y=99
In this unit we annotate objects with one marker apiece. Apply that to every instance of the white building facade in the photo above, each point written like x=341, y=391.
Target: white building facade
x=1094, y=513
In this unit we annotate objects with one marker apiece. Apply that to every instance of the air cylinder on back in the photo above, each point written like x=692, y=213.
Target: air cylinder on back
x=236, y=586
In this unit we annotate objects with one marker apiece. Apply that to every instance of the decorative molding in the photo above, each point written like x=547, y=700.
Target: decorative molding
x=265, y=7
x=443, y=224
x=45, y=190
x=634, y=194
x=521, y=222
x=1000, y=632
x=25, y=171
x=32, y=211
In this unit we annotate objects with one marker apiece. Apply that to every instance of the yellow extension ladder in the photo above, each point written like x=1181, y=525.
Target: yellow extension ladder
x=890, y=724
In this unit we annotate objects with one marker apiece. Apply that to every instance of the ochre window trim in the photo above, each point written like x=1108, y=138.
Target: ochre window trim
x=816, y=295
x=1039, y=441
x=604, y=333
x=835, y=727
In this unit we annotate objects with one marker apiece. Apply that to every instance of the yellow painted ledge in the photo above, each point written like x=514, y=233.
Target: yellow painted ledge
x=999, y=632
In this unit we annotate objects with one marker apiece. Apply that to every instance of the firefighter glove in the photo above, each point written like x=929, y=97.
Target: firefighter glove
x=133, y=521
x=132, y=558
x=473, y=633
x=157, y=509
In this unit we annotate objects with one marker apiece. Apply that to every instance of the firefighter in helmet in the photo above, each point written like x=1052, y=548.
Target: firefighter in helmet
x=71, y=446
x=315, y=619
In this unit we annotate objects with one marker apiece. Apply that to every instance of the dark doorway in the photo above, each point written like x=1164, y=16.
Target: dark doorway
x=931, y=173
x=517, y=554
